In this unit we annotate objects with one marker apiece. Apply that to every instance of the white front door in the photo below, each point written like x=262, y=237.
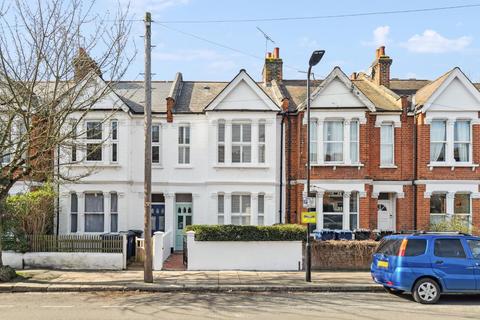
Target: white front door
x=386, y=214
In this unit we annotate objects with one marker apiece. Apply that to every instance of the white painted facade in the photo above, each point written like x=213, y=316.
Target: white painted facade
x=196, y=184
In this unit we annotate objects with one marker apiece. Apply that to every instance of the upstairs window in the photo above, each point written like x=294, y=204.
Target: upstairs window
x=354, y=142
x=333, y=141
x=241, y=143
x=438, y=140
x=313, y=141
x=73, y=147
x=386, y=144
x=461, y=147
x=184, y=144
x=94, y=140
x=156, y=143
x=261, y=142
x=114, y=137
x=221, y=142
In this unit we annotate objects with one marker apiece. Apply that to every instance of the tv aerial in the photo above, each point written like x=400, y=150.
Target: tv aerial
x=267, y=39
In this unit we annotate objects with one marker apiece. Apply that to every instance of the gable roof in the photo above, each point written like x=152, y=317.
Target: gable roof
x=426, y=95
x=382, y=97
x=337, y=73
x=240, y=78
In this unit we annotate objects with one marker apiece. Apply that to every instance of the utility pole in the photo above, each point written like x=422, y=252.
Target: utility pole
x=147, y=230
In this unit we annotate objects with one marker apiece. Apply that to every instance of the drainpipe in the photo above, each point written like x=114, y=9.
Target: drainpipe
x=289, y=165
x=415, y=166
x=281, y=169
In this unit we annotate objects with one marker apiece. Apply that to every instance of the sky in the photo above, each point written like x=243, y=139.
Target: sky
x=422, y=45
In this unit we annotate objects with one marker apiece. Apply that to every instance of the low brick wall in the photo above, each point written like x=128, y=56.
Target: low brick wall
x=342, y=255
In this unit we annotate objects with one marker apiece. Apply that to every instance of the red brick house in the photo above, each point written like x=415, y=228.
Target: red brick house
x=388, y=154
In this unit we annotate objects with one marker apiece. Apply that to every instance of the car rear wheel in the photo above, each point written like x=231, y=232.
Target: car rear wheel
x=426, y=291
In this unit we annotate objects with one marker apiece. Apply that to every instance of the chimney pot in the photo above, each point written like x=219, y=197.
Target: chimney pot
x=381, y=68
x=353, y=76
x=381, y=51
x=276, y=53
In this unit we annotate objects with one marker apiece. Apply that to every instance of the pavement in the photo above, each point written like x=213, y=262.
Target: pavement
x=188, y=281
x=238, y=305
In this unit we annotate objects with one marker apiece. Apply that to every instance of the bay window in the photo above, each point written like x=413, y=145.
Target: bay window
x=221, y=208
x=261, y=209
x=73, y=212
x=313, y=141
x=113, y=212
x=184, y=144
x=94, y=140
x=261, y=142
x=221, y=142
x=462, y=208
x=114, y=137
x=354, y=210
x=438, y=207
x=94, y=212
x=333, y=141
x=354, y=142
x=156, y=143
x=241, y=143
x=387, y=155
x=333, y=210
x=461, y=147
x=241, y=209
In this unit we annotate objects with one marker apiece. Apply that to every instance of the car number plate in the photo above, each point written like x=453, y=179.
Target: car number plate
x=382, y=264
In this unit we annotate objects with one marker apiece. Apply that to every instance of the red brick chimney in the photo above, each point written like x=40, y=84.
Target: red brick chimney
x=381, y=68
x=273, y=68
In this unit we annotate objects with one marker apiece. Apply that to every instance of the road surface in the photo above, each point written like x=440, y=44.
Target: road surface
x=278, y=306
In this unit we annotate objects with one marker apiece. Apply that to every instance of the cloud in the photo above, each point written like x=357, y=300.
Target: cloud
x=380, y=37
x=431, y=41
x=306, y=42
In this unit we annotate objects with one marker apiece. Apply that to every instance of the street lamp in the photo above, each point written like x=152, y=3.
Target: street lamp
x=314, y=60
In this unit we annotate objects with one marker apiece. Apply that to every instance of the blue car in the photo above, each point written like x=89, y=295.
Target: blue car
x=428, y=264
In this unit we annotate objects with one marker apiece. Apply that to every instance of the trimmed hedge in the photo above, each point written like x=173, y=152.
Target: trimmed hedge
x=281, y=232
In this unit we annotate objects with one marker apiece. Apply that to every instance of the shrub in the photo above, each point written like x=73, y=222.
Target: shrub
x=7, y=273
x=284, y=232
x=453, y=224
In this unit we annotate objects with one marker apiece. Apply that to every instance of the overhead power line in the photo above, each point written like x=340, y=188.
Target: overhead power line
x=332, y=16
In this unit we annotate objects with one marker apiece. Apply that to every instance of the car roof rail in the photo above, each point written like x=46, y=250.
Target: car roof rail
x=442, y=233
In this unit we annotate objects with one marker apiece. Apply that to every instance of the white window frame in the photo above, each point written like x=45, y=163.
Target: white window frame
x=242, y=144
x=339, y=213
x=464, y=214
x=94, y=213
x=445, y=142
x=243, y=212
x=326, y=142
x=221, y=141
x=93, y=141
x=184, y=141
x=314, y=141
x=157, y=144
x=383, y=162
x=112, y=211
x=261, y=209
x=469, y=142
x=441, y=214
x=221, y=208
x=262, y=142
x=355, y=194
x=355, y=143
x=114, y=141
x=73, y=148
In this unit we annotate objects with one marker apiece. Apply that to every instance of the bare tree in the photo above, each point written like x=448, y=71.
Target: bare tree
x=58, y=58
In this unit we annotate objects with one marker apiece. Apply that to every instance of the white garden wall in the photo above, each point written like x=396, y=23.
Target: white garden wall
x=243, y=255
x=161, y=248
x=64, y=260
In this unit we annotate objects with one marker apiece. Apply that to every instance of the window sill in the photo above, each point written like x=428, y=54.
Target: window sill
x=96, y=164
x=452, y=165
x=183, y=166
x=388, y=166
x=335, y=165
x=242, y=166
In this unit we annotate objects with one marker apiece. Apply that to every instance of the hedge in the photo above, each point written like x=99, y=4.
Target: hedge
x=283, y=232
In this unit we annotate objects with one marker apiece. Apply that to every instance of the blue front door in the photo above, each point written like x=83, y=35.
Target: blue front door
x=451, y=264
x=158, y=217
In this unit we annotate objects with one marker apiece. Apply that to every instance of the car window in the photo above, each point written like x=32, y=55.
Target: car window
x=415, y=247
x=389, y=247
x=475, y=248
x=449, y=248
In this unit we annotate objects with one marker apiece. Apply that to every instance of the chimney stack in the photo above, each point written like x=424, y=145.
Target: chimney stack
x=273, y=68
x=381, y=68
x=83, y=64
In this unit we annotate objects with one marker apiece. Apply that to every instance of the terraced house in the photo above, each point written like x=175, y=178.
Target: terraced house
x=387, y=154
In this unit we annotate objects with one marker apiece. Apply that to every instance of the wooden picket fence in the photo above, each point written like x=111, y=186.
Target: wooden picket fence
x=75, y=243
